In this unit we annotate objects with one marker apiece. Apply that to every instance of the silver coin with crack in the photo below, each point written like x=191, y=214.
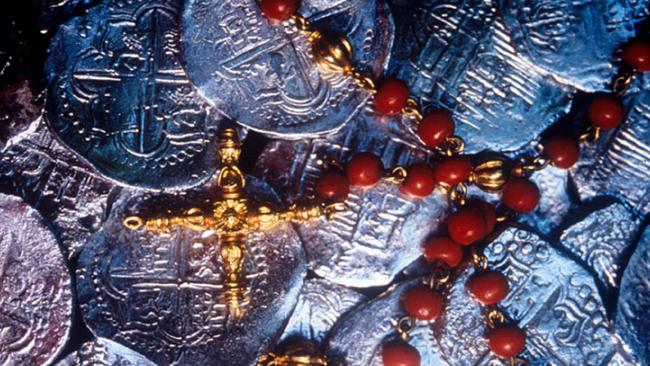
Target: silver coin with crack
x=35, y=289
x=263, y=74
x=382, y=230
x=120, y=98
x=553, y=298
x=104, y=352
x=161, y=294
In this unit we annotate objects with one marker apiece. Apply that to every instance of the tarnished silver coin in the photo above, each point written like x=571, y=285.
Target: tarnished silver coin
x=119, y=97
x=632, y=321
x=103, y=352
x=382, y=230
x=161, y=294
x=603, y=240
x=65, y=189
x=552, y=33
x=619, y=165
x=461, y=57
x=263, y=75
x=553, y=298
x=320, y=305
x=35, y=291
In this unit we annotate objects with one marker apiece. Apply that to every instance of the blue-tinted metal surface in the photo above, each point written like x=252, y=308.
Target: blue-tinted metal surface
x=263, y=75
x=119, y=97
x=103, y=352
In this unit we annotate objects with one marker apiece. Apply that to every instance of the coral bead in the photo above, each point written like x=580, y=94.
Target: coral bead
x=400, y=354
x=507, y=341
x=489, y=214
x=332, y=186
x=279, y=10
x=637, y=55
x=435, y=127
x=520, y=195
x=423, y=303
x=467, y=226
x=488, y=287
x=453, y=171
x=364, y=170
x=605, y=112
x=391, y=96
x=563, y=151
x=419, y=181
x=443, y=249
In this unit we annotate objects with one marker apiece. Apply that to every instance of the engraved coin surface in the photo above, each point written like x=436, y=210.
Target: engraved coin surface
x=162, y=294
x=35, y=290
x=70, y=195
x=119, y=97
x=552, y=298
x=263, y=75
x=459, y=56
x=382, y=230
x=103, y=352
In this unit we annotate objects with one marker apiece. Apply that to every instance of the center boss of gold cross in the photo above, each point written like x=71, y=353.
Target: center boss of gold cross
x=232, y=218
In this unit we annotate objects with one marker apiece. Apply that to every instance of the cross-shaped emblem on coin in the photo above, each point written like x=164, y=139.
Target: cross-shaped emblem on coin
x=232, y=218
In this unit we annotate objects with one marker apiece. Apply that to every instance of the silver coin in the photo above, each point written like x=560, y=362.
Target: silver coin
x=35, y=291
x=603, y=240
x=632, y=322
x=552, y=298
x=159, y=294
x=119, y=97
x=463, y=59
x=66, y=191
x=320, y=305
x=103, y=352
x=552, y=33
x=263, y=75
x=619, y=165
x=382, y=231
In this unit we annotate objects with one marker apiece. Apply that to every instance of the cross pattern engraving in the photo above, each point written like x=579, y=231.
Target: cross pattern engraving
x=232, y=218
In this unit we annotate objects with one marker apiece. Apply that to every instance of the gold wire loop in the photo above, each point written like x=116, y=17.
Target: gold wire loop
x=454, y=145
x=622, y=82
x=518, y=361
x=592, y=134
x=440, y=276
x=458, y=194
x=412, y=109
x=538, y=163
x=364, y=81
x=405, y=326
x=495, y=318
x=133, y=222
x=397, y=175
x=302, y=23
x=479, y=260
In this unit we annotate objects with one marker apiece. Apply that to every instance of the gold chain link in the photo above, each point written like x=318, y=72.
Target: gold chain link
x=412, y=109
x=454, y=145
x=591, y=134
x=495, y=318
x=458, y=194
x=397, y=175
x=405, y=326
x=622, y=82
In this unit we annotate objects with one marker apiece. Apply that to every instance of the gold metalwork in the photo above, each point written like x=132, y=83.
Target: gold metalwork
x=492, y=173
x=538, y=163
x=412, y=110
x=301, y=354
x=479, y=260
x=332, y=51
x=592, y=134
x=440, y=277
x=232, y=218
x=622, y=82
x=454, y=145
x=458, y=194
x=364, y=81
x=518, y=361
x=405, y=326
x=397, y=175
x=495, y=318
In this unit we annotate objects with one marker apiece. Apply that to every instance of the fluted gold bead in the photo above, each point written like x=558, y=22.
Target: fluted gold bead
x=332, y=51
x=491, y=173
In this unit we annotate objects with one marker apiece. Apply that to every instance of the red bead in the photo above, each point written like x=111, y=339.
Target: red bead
x=419, y=181
x=605, y=112
x=332, y=186
x=391, y=96
x=400, y=354
x=637, y=55
x=453, y=171
x=563, y=151
x=435, y=127
x=489, y=214
x=467, y=225
x=520, y=195
x=279, y=10
x=423, y=303
x=443, y=249
x=488, y=287
x=364, y=170
x=507, y=341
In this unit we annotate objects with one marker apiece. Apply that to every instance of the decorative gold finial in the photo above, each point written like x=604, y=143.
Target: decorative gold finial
x=299, y=354
x=231, y=218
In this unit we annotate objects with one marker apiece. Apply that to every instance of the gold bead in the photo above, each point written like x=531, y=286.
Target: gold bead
x=491, y=173
x=332, y=51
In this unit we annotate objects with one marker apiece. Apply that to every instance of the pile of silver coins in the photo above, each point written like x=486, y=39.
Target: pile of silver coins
x=107, y=255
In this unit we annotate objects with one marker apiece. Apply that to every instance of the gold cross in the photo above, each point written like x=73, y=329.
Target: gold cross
x=232, y=219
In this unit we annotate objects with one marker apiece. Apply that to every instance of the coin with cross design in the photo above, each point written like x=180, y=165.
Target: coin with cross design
x=119, y=97
x=263, y=75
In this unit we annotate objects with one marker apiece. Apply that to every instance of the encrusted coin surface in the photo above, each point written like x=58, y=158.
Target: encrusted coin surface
x=383, y=230
x=263, y=75
x=162, y=294
x=103, y=352
x=119, y=97
x=35, y=291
